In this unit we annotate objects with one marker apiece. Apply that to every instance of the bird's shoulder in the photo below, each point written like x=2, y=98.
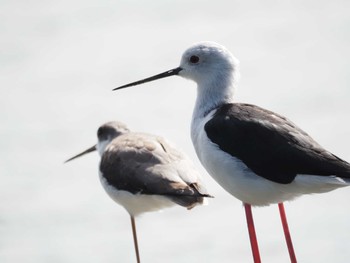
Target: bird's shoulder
x=245, y=114
x=138, y=148
x=251, y=121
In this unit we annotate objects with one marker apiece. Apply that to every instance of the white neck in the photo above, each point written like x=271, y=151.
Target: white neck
x=101, y=146
x=212, y=94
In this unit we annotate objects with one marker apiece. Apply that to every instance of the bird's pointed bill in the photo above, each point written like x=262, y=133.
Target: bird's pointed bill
x=91, y=149
x=165, y=74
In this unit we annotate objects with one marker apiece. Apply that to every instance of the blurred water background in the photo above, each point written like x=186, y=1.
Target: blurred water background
x=59, y=61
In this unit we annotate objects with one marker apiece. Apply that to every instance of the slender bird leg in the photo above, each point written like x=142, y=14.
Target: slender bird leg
x=292, y=256
x=252, y=234
x=135, y=239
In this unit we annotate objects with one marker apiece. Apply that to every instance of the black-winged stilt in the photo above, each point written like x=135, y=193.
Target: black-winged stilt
x=258, y=156
x=144, y=172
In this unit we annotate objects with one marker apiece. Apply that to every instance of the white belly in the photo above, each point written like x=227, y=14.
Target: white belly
x=237, y=179
x=136, y=204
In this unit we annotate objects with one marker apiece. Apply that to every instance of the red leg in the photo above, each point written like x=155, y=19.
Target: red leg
x=252, y=234
x=292, y=256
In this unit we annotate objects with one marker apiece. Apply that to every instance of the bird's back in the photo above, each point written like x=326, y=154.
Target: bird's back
x=145, y=164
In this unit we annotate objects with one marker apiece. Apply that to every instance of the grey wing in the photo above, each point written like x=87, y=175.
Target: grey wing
x=142, y=165
x=183, y=167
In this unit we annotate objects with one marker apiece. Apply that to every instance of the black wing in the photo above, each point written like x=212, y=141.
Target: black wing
x=270, y=145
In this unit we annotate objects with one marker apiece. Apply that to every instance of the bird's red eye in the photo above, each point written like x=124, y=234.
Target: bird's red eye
x=194, y=59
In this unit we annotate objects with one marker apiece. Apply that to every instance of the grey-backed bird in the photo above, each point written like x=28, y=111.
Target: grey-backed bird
x=144, y=172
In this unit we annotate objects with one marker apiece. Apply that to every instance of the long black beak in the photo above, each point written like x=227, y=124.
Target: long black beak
x=165, y=74
x=91, y=149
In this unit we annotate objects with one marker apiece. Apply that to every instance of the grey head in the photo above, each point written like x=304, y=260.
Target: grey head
x=105, y=134
x=109, y=131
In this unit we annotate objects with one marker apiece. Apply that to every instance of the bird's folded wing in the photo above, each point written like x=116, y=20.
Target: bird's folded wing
x=271, y=145
x=143, y=167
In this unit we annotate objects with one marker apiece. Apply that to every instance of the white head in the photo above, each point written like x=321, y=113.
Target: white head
x=209, y=64
x=105, y=134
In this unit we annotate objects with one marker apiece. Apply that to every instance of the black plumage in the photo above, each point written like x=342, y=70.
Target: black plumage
x=271, y=145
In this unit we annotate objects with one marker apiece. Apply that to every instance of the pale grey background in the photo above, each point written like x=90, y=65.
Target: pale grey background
x=59, y=61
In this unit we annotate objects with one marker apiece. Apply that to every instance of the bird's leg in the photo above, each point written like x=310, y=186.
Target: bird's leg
x=292, y=256
x=135, y=239
x=252, y=234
